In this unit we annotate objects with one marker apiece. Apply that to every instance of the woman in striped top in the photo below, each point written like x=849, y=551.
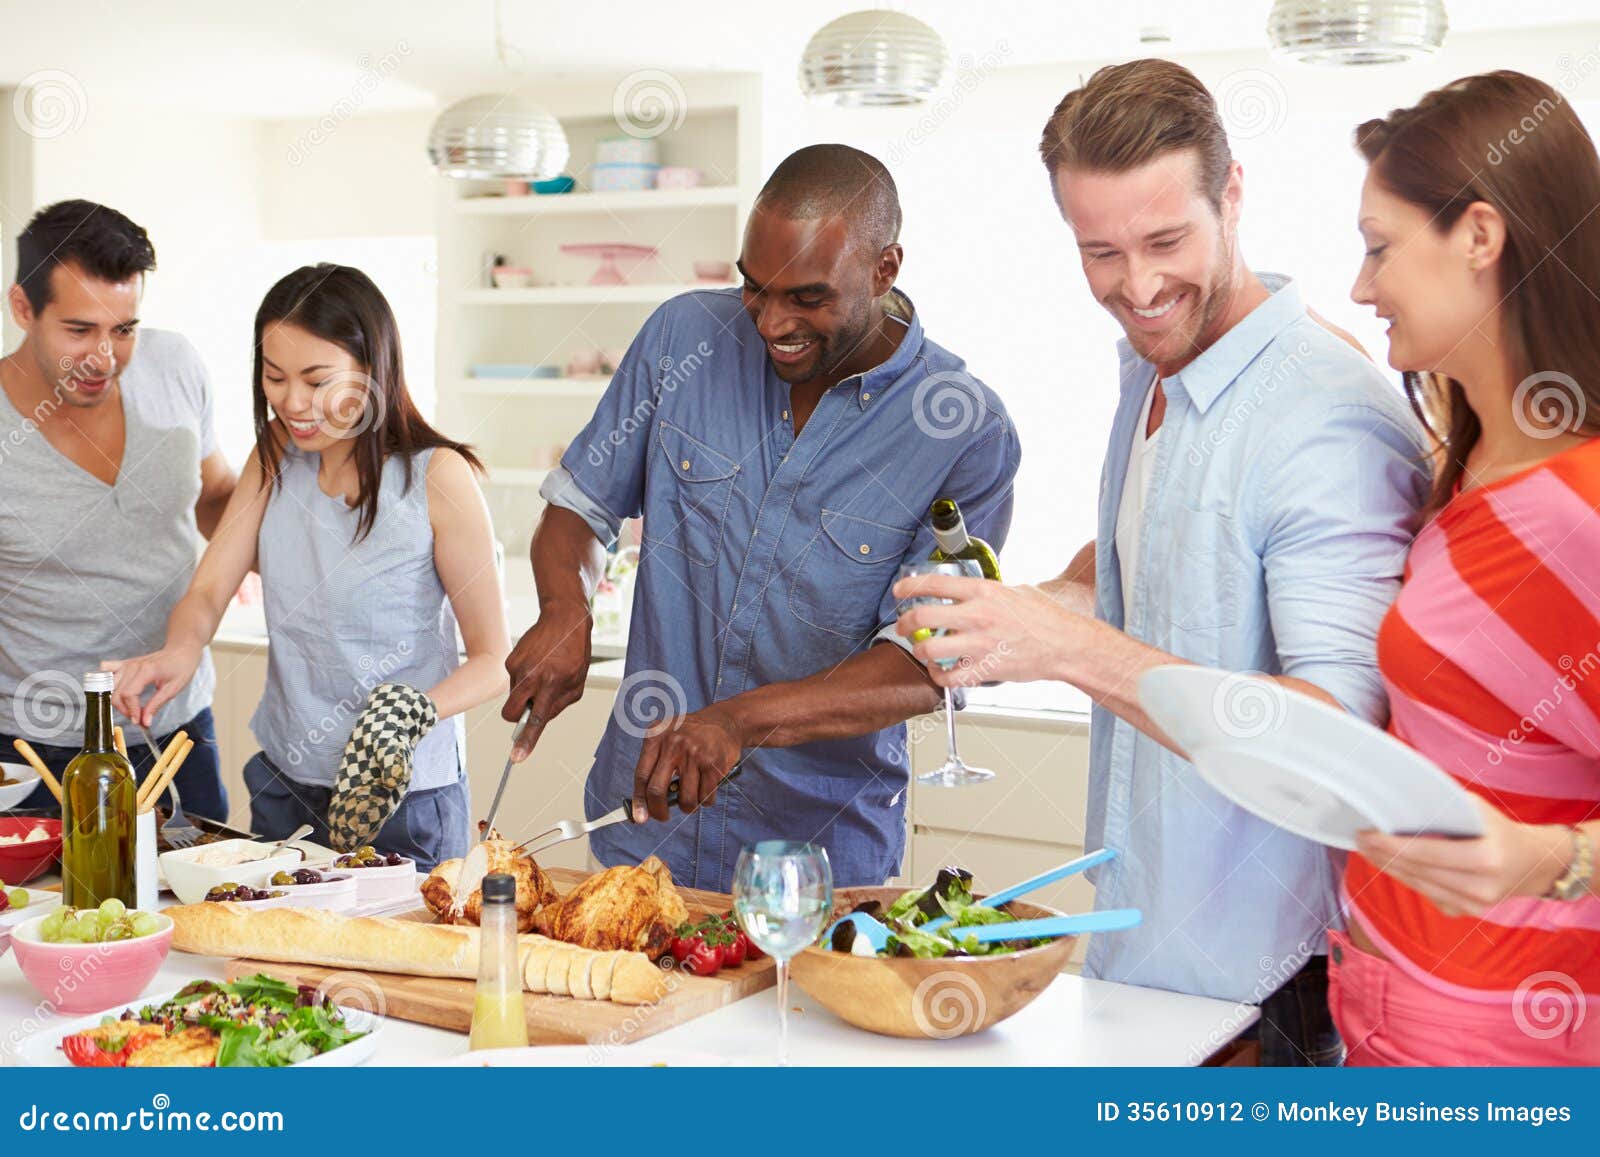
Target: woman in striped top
x=1482, y=245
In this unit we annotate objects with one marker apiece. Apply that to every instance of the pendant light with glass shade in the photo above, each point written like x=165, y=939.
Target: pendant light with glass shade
x=499, y=135
x=1346, y=32
x=874, y=58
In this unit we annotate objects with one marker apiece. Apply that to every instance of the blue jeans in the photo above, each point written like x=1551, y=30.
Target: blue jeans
x=427, y=827
x=199, y=780
x=1296, y=1028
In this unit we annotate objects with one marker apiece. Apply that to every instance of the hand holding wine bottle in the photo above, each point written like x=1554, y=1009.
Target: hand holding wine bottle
x=956, y=554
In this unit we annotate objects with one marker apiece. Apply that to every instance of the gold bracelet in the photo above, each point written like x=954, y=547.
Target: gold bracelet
x=1574, y=885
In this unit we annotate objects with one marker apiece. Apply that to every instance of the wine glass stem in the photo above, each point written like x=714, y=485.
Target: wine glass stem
x=783, y=1012
x=950, y=726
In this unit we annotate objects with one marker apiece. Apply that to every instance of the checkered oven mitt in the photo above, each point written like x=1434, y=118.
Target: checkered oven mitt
x=375, y=769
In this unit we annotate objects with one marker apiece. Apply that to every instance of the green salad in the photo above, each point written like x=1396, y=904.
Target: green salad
x=255, y=1022
x=950, y=895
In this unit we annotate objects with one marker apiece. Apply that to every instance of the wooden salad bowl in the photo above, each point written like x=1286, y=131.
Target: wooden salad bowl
x=927, y=999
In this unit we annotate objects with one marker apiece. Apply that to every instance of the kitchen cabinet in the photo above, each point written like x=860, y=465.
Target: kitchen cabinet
x=241, y=676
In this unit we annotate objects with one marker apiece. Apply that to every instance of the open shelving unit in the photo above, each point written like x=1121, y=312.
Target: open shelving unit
x=519, y=425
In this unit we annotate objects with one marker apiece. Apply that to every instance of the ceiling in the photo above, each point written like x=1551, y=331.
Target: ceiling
x=297, y=58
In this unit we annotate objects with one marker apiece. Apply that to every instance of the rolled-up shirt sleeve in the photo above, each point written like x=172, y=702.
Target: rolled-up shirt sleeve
x=1335, y=551
x=601, y=475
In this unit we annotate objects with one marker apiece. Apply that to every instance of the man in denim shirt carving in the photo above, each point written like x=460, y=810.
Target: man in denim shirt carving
x=1260, y=491
x=783, y=442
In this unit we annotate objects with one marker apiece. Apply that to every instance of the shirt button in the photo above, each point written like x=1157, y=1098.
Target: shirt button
x=685, y=464
x=865, y=549
x=866, y=397
x=786, y=415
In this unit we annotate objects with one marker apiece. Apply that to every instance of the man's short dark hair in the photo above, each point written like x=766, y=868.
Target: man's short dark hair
x=100, y=241
x=834, y=181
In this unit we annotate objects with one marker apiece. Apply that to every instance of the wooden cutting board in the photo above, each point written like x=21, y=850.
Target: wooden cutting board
x=447, y=1004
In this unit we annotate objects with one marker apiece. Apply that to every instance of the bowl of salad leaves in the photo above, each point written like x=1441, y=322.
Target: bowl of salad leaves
x=253, y=1022
x=929, y=984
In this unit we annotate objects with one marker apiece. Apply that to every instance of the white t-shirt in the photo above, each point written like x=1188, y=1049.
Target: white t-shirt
x=1135, y=487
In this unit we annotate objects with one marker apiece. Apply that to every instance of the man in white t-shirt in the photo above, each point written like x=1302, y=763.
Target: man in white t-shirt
x=109, y=475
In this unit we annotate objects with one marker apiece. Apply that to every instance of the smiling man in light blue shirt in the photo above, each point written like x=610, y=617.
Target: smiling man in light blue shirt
x=1259, y=494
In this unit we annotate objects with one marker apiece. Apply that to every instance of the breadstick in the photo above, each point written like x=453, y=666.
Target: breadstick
x=155, y=785
x=119, y=742
x=32, y=756
x=144, y=801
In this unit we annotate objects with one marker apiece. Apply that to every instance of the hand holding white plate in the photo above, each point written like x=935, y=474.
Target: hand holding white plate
x=1300, y=763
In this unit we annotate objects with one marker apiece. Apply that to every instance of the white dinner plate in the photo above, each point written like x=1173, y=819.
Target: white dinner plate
x=42, y=1047
x=1300, y=763
x=39, y=902
x=642, y=1055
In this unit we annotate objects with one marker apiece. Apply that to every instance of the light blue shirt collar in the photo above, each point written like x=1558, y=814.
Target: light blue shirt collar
x=1208, y=377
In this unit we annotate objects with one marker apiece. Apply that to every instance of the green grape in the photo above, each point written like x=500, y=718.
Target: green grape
x=119, y=930
x=144, y=924
x=50, y=929
x=18, y=897
x=113, y=908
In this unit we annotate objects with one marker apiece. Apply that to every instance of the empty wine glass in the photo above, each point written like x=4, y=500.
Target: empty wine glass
x=782, y=896
x=953, y=772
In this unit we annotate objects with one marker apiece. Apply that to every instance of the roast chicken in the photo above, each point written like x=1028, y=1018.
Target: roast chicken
x=454, y=891
x=629, y=908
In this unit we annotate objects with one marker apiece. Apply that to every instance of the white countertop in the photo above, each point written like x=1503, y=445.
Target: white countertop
x=1074, y=1022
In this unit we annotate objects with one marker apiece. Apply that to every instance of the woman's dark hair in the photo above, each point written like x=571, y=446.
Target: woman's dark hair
x=341, y=305
x=1514, y=143
x=101, y=241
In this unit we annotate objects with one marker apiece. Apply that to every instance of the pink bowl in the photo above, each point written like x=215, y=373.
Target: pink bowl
x=90, y=977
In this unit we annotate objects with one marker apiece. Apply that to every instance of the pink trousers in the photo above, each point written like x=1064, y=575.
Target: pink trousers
x=1389, y=1017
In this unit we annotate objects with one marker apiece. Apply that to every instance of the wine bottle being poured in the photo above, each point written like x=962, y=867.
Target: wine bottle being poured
x=950, y=533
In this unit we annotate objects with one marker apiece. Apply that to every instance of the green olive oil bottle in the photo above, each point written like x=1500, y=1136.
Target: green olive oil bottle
x=97, y=806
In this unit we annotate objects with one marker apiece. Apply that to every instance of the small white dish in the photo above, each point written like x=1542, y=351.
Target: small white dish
x=390, y=882
x=190, y=879
x=1301, y=764
x=43, y=1048
x=336, y=893
x=12, y=794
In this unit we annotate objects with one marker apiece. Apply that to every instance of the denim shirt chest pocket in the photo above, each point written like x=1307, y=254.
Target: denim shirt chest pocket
x=842, y=573
x=702, y=483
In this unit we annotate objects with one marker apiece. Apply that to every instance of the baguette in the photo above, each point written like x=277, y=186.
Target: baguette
x=578, y=975
x=535, y=964
x=605, y=964
x=314, y=936
x=635, y=980
x=555, y=976
x=410, y=947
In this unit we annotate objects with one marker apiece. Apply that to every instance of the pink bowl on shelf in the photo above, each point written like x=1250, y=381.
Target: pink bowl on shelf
x=90, y=977
x=677, y=177
x=720, y=272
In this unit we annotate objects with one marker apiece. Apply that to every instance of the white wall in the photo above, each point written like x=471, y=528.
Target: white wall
x=191, y=181
x=994, y=270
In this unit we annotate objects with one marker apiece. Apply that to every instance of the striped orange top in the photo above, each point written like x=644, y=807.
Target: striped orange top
x=1491, y=657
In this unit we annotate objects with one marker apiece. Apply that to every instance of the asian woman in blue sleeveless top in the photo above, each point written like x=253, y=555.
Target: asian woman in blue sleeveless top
x=374, y=545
